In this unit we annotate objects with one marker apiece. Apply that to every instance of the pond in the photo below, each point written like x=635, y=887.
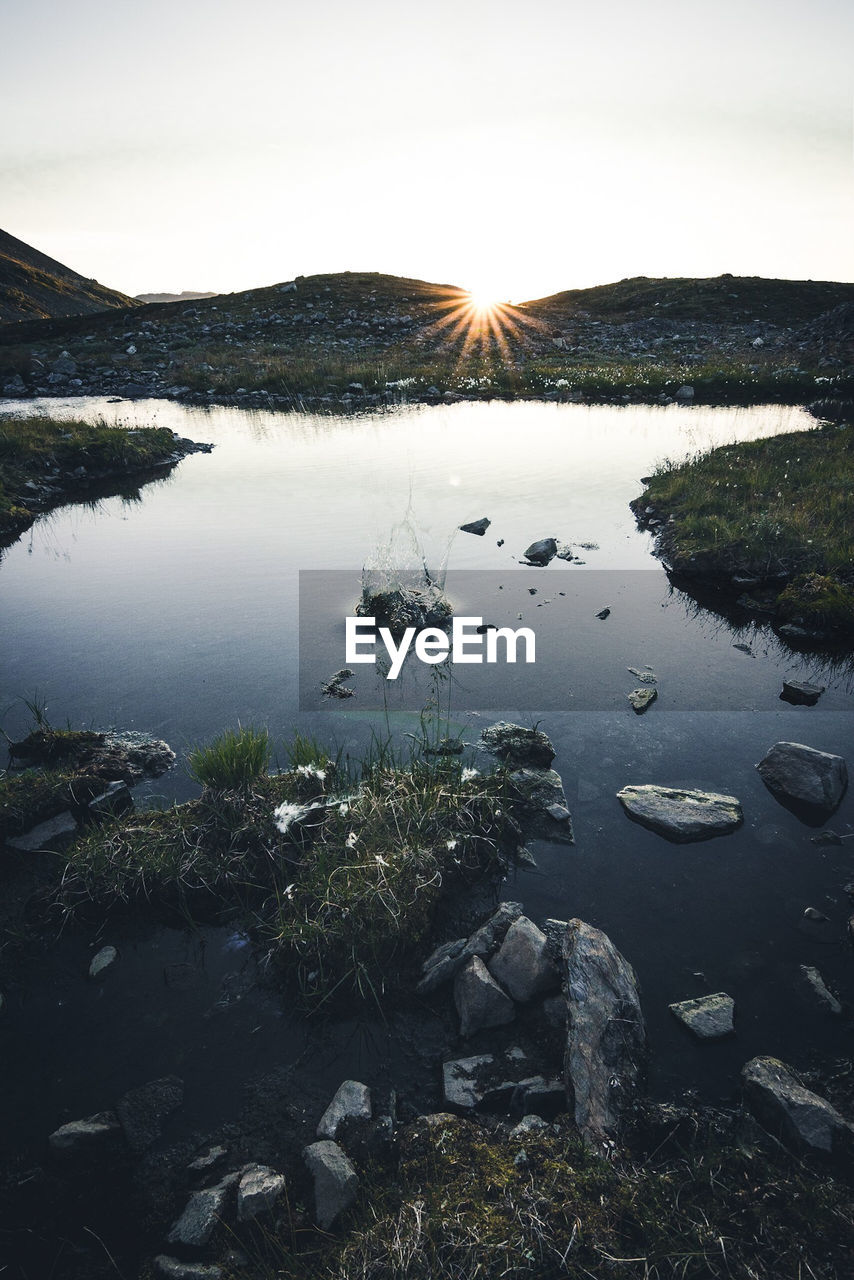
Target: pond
x=176, y=613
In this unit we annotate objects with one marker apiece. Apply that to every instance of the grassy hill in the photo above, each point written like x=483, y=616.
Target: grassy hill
x=33, y=286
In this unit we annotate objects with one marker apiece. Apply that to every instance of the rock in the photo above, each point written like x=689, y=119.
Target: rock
x=102, y=960
x=479, y=999
x=800, y=693
x=202, y=1213
x=801, y=1119
x=257, y=1192
x=518, y=747
x=542, y=552
x=685, y=393
x=603, y=614
x=398, y=607
x=64, y=365
x=478, y=527
x=441, y=966
x=709, y=1017
x=449, y=746
x=523, y=965
x=47, y=835
x=817, y=984
x=527, y=1125
x=681, y=816
x=543, y=802
x=14, y=386
x=142, y=1110
x=802, y=775
x=352, y=1101
x=640, y=699
x=490, y=935
x=606, y=1036
x=335, y=1181
x=88, y=1134
x=540, y=1096
x=114, y=800
x=173, y=1269
x=207, y=1159
x=462, y=1080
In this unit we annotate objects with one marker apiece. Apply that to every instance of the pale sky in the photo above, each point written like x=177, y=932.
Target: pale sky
x=515, y=149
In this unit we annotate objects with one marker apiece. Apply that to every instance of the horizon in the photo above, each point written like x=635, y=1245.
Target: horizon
x=515, y=155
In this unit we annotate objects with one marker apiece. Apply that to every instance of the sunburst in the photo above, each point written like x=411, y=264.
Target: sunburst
x=477, y=324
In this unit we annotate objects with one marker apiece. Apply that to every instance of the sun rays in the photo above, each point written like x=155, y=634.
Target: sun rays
x=475, y=323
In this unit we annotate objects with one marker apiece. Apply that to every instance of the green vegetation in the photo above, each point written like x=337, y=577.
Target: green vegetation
x=233, y=761
x=338, y=876
x=458, y=1201
x=38, y=458
x=781, y=508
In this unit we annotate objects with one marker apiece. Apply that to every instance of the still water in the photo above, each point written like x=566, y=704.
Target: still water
x=176, y=613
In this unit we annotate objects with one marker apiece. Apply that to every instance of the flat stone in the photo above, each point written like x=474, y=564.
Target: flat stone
x=202, y=1213
x=207, y=1159
x=640, y=699
x=352, y=1101
x=46, y=835
x=142, y=1110
x=528, y=1125
x=801, y=1119
x=817, y=984
x=681, y=816
x=802, y=775
x=335, y=1181
x=174, y=1269
x=523, y=965
x=257, y=1192
x=709, y=1017
x=800, y=693
x=462, y=1078
x=478, y=527
x=517, y=746
x=480, y=1001
x=102, y=960
x=87, y=1134
x=606, y=1035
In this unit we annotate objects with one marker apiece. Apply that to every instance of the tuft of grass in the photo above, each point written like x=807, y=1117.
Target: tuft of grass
x=233, y=761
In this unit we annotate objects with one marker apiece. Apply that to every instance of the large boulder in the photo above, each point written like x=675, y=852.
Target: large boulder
x=801, y=775
x=335, y=1181
x=803, y=1120
x=606, y=1036
x=681, y=816
x=352, y=1101
x=480, y=1000
x=523, y=965
x=518, y=747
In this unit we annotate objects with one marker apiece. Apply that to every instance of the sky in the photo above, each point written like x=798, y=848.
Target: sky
x=515, y=149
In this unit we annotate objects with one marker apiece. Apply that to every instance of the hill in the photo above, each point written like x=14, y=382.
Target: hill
x=34, y=286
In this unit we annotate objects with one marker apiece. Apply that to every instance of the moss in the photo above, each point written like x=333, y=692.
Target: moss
x=30, y=797
x=818, y=600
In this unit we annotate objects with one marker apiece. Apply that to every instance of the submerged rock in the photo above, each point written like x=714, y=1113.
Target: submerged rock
x=478, y=527
x=709, y=1017
x=802, y=775
x=801, y=1119
x=352, y=1101
x=606, y=1035
x=817, y=984
x=90, y=1133
x=480, y=1001
x=102, y=960
x=681, y=816
x=542, y=552
x=640, y=699
x=800, y=693
x=335, y=1181
x=518, y=747
x=523, y=965
x=174, y=1269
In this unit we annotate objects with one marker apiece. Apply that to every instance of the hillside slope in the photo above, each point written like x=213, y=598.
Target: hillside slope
x=34, y=286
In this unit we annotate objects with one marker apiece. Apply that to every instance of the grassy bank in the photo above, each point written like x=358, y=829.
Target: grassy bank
x=337, y=872
x=43, y=461
x=457, y=1200
x=778, y=513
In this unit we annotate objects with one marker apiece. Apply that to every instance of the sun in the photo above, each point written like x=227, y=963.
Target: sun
x=483, y=304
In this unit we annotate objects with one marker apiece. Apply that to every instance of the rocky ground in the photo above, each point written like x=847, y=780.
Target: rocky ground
x=355, y=340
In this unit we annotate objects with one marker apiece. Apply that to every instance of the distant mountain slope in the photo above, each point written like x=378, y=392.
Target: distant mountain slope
x=34, y=286
x=186, y=295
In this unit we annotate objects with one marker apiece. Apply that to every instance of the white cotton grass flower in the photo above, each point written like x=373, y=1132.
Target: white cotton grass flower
x=311, y=771
x=286, y=815
x=380, y=860
x=351, y=840
x=469, y=773
x=343, y=809
x=451, y=845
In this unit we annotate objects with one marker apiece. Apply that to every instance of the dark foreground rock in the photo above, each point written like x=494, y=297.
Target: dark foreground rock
x=800, y=693
x=606, y=1035
x=542, y=552
x=478, y=527
x=708, y=1017
x=801, y=775
x=801, y=1119
x=518, y=747
x=480, y=1001
x=681, y=816
x=523, y=964
x=335, y=1181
